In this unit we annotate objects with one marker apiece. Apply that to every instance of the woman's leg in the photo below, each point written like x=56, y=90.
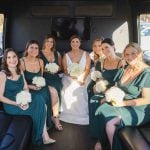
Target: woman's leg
x=111, y=127
x=55, y=108
x=46, y=138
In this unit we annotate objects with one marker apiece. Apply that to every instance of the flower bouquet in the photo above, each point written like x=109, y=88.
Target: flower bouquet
x=96, y=75
x=23, y=98
x=114, y=95
x=101, y=85
x=75, y=70
x=52, y=67
x=39, y=81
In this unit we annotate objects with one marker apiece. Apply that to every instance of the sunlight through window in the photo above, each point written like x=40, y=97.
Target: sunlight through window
x=121, y=37
x=145, y=31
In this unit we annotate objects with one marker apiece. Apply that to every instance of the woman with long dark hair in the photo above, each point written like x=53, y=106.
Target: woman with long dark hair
x=12, y=82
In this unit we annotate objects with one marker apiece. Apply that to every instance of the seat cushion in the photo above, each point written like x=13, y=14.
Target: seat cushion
x=15, y=131
x=146, y=133
x=132, y=139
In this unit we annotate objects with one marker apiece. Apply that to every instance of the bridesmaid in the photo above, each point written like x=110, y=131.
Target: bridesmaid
x=135, y=107
x=108, y=66
x=12, y=82
x=32, y=66
x=96, y=53
x=49, y=55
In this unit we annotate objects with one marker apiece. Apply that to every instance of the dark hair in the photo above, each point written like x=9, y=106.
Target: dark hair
x=30, y=43
x=5, y=65
x=108, y=41
x=75, y=36
x=48, y=36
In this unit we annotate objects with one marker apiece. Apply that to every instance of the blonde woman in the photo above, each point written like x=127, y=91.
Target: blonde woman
x=134, y=109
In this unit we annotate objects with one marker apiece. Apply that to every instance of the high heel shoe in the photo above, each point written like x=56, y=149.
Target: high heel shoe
x=49, y=141
x=57, y=124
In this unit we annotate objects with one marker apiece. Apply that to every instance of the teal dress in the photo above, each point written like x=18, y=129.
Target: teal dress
x=130, y=115
x=52, y=79
x=44, y=92
x=36, y=108
x=94, y=100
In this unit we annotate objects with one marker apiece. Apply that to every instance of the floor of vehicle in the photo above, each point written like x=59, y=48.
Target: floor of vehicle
x=73, y=137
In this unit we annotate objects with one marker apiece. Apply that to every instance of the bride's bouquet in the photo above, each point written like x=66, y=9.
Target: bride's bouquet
x=75, y=70
x=114, y=95
x=39, y=81
x=52, y=67
x=96, y=75
x=23, y=98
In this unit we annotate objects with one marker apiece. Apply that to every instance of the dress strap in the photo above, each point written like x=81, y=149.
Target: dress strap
x=68, y=59
x=40, y=66
x=55, y=56
x=102, y=64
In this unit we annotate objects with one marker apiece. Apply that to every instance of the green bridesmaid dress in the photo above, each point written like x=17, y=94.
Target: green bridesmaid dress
x=44, y=92
x=52, y=79
x=94, y=100
x=36, y=108
x=130, y=115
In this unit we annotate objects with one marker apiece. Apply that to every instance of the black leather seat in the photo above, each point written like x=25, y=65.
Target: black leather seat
x=15, y=132
x=135, y=138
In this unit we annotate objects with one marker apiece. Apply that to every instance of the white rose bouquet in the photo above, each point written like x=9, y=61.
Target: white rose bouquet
x=39, y=81
x=52, y=67
x=101, y=85
x=114, y=95
x=75, y=70
x=96, y=75
x=23, y=98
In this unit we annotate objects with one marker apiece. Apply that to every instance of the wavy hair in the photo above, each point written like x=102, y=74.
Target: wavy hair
x=5, y=65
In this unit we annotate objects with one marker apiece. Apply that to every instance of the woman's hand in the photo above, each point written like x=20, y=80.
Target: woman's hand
x=81, y=82
x=33, y=87
x=118, y=104
x=24, y=107
x=103, y=101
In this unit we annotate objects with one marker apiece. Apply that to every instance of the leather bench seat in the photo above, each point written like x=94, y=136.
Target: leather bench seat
x=135, y=138
x=15, y=132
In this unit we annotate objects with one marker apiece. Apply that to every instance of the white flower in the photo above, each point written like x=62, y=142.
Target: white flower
x=75, y=69
x=101, y=86
x=52, y=67
x=23, y=98
x=96, y=75
x=114, y=94
x=39, y=81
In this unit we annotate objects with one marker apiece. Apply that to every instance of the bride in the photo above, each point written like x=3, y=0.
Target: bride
x=76, y=65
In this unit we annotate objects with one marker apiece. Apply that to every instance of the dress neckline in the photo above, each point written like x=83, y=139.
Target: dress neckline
x=47, y=59
x=16, y=79
x=79, y=60
x=129, y=82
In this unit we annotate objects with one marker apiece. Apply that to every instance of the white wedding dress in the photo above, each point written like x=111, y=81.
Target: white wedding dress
x=74, y=106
